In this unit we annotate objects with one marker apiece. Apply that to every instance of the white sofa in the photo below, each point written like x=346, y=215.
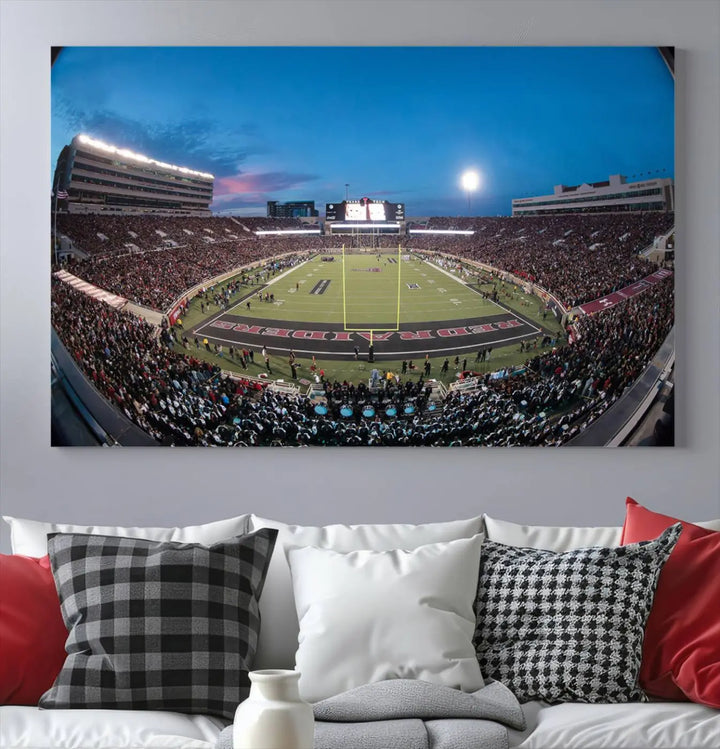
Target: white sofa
x=651, y=725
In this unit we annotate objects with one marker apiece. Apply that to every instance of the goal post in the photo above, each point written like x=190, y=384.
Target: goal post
x=372, y=330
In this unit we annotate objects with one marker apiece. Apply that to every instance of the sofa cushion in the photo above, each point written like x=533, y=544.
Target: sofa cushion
x=681, y=653
x=568, y=626
x=650, y=725
x=32, y=632
x=367, y=616
x=29, y=537
x=549, y=537
x=647, y=725
x=157, y=626
x=279, y=632
x=560, y=538
x=30, y=728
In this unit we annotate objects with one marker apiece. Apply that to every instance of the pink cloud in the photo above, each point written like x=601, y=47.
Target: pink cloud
x=259, y=183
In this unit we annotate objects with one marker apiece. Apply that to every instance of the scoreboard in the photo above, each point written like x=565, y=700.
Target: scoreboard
x=365, y=209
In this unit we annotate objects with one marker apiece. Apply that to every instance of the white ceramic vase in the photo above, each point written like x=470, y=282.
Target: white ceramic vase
x=274, y=716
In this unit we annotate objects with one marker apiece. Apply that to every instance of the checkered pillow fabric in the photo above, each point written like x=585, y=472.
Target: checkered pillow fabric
x=567, y=627
x=158, y=626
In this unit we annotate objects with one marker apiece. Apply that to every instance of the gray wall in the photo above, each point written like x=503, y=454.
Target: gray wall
x=164, y=486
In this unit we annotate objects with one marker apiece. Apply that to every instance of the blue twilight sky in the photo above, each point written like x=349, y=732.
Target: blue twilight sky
x=396, y=123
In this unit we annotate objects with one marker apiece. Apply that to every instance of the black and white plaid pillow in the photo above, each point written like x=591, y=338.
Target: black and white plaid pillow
x=567, y=627
x=158, y=626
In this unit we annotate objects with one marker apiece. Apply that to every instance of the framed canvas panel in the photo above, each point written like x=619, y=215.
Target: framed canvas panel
x=363, y=246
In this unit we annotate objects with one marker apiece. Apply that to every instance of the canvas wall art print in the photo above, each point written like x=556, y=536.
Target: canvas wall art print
x=362, y=246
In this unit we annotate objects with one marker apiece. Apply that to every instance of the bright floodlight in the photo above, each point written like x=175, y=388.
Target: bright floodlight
x=470, y=181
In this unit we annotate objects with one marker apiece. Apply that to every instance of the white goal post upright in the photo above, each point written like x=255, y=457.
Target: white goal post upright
x=399, y=287
x=399, y=265
x=343, y=288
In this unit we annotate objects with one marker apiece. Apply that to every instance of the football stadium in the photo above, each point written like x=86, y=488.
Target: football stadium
x=255, y=331
x=362, y=327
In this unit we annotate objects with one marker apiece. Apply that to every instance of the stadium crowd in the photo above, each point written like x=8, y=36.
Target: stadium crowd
x=97, y=234
x=153, y=260
x=579, y=380
x=180, y=400
x=262, y=223
x=576, y=257
x=156, y=279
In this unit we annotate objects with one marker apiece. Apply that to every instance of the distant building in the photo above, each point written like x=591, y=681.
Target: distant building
x=615, y=194
x=99, y=178
x=292, y=209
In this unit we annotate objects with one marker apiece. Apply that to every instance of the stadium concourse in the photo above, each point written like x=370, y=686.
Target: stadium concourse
x=180, y=400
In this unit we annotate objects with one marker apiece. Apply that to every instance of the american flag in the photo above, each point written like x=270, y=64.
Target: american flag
x=62, y=195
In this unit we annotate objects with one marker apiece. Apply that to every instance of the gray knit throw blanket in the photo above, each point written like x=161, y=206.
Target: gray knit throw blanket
x=410, y=714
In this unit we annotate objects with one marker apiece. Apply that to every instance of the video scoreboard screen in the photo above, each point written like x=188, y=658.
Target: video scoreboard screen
x=365, y=209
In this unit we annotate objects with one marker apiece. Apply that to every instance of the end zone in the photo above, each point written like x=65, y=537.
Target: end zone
x=333, y=341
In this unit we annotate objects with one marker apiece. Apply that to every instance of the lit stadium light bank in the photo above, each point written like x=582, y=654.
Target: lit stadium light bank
x=470, y=182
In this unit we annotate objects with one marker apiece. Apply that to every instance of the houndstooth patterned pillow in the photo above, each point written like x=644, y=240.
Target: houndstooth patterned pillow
x=567, y=627
x=158, y=626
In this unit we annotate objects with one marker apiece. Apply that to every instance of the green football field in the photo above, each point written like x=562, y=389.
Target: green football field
x=364, y=291
x=446, y=298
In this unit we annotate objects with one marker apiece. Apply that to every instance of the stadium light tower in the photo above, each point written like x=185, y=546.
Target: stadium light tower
x=470, y=182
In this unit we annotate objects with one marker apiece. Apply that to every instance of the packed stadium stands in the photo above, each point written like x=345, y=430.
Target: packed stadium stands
x=153, y=260
x=97, y=234
x=578, y=258
x=181, y=400
x=263, y=223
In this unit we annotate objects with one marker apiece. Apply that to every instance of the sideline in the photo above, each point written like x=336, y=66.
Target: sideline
x=241, y=301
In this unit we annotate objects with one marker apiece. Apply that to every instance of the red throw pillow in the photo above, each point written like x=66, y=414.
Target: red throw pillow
x=681, y=651
x=32, y=632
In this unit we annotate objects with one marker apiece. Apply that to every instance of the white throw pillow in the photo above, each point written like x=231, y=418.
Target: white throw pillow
x=366, y=616
x=29, y=537
x=279, y=628
x=559, y=538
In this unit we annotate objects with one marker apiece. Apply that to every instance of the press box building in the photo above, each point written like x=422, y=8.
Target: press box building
x=612, y=195
x=94, y=177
